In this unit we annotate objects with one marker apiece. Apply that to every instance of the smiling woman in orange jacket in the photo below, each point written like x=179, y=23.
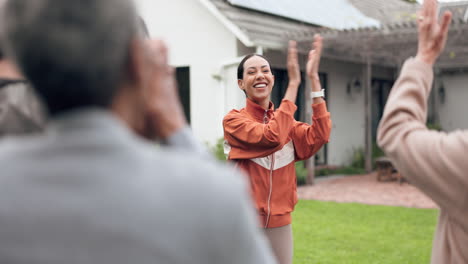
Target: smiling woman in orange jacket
x=265, y=142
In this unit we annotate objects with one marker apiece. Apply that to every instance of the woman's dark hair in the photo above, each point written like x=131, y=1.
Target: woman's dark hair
x=240, y=68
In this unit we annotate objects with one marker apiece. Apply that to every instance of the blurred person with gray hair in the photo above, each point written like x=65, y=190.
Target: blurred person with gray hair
x=93, y=188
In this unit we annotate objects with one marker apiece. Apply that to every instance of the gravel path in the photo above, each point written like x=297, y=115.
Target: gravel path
x=367, y=190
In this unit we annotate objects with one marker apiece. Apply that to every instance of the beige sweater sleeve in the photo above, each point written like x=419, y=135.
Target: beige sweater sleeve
x=435, y=162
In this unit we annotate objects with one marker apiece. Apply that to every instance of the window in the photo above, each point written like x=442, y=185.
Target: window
x=183, y=83
x=281, y=84
x=380, y=91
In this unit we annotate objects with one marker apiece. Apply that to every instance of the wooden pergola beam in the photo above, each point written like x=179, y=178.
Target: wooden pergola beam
x=389, y=45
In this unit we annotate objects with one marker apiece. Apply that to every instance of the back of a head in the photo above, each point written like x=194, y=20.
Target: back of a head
x=73, y=52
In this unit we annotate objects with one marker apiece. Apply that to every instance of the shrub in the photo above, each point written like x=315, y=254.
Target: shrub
x=301, y=173
x=434, y=126
x=218, y=149
x=358, y=159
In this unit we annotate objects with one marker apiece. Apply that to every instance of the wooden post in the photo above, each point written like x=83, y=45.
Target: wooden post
x=368, y=115
x=310, y=163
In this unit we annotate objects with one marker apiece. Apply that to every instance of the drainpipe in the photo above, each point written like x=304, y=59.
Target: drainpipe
x=368, y=114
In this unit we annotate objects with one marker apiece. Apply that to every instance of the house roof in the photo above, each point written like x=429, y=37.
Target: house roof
x=394, y=42
x=387, y=12
x=389, y=44
x=260, y=28
x=336, y=14
x=459, y=9
x=272, y=31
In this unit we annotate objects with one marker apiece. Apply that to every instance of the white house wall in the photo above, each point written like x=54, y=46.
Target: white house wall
x=453, y=112
x=198, y=40
x=347, y=111
x=235, y=98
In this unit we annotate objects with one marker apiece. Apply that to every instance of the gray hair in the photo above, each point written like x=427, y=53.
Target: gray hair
x=74, y=52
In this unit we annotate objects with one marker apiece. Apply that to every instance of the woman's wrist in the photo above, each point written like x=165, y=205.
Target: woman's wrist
x=426, y=59
x=315, y=83
x=291, y=92
x=293, y=87
x=316, y=86
x=318, y=100
x=294, y=84
x=313, y=76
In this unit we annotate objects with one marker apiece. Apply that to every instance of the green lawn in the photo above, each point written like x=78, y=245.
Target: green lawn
x=327, y=232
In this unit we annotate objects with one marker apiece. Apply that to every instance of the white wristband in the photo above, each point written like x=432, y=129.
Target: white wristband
x=318, y=94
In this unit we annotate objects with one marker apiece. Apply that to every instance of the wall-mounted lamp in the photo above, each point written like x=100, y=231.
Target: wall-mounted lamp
x=353, y=86
x=357, y=85
x=442, y=93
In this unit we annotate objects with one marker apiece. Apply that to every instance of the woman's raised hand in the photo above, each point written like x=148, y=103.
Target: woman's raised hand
x=294, y=71
x=432, y=32
x=314, y=57
x=314, y=61
x=165, y=113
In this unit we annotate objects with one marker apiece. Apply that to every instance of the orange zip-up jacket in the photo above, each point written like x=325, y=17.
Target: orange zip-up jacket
x=265, y=144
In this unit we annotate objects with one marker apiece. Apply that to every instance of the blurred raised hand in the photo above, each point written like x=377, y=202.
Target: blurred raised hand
x=294, y=71
x=313, y=62
x=165, y=113
x=432, y=32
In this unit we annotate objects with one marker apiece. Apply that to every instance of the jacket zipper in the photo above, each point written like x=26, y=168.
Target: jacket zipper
x=265, y=120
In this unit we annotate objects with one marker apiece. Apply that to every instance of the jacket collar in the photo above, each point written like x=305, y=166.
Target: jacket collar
x=257, y=111
x=90, y=123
